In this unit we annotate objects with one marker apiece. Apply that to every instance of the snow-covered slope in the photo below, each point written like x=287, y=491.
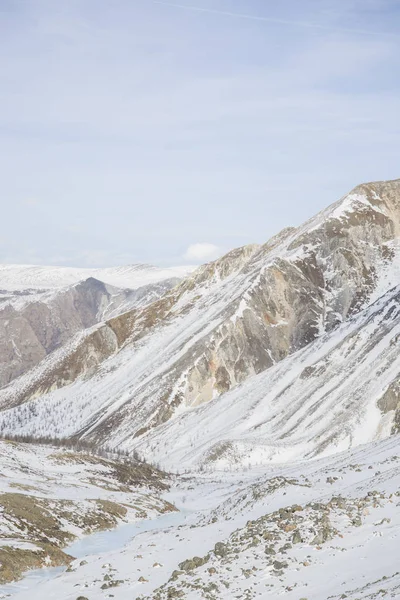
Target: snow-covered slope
x=328, y=528
x=49, y=496
x=41, y=308
x=266, y=381
x=231, y=320
x=341, y=390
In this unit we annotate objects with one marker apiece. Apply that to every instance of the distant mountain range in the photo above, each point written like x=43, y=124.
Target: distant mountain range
x=21, y=278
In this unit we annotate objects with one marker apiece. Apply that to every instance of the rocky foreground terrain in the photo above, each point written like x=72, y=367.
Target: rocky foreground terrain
x=263, y=388
x=50, y=496
x=314, y=530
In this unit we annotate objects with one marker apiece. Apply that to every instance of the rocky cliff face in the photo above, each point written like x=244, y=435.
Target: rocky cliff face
x=33, y=325
x=313, y=280
x=339, y=391
x=233, y=319
x=30, y=333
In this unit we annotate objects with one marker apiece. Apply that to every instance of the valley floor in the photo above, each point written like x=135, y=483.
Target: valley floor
x=328, y=528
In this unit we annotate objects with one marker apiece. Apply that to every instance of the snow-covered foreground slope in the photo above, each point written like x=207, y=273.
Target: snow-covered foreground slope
x=50, y=496
x=37, y=277
x=323, y=529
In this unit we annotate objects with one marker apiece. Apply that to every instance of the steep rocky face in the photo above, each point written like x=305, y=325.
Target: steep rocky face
x=337, y=392
x=389, y=402
x=34, y=325
x=28, y=334
x=236, y=317
x=321, y=274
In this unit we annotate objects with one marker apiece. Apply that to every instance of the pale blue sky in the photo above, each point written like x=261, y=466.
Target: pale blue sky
x=131, y=130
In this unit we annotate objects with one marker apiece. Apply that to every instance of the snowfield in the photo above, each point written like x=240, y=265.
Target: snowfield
x=317, y=530
x=37, y=277
x=50, y=496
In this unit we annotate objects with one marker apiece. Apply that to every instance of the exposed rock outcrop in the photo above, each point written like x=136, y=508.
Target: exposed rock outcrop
x=31, y=328
x=30, y=333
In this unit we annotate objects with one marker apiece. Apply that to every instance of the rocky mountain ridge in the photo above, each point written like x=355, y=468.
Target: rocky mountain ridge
x=230, y=320
x=40, y=310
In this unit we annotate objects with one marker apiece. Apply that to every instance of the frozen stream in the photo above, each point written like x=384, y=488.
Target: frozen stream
x=97, y=543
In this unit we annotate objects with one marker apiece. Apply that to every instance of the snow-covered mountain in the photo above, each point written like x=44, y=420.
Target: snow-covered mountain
x=277, y=319
x=267, y=381
x=41, y=308
x=340, y=391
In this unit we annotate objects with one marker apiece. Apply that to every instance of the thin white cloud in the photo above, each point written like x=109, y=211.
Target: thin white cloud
x=273, y=20
x=30, y=201
x=202, y=252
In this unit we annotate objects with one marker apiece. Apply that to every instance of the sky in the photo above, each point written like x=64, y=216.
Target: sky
x=137, y=131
